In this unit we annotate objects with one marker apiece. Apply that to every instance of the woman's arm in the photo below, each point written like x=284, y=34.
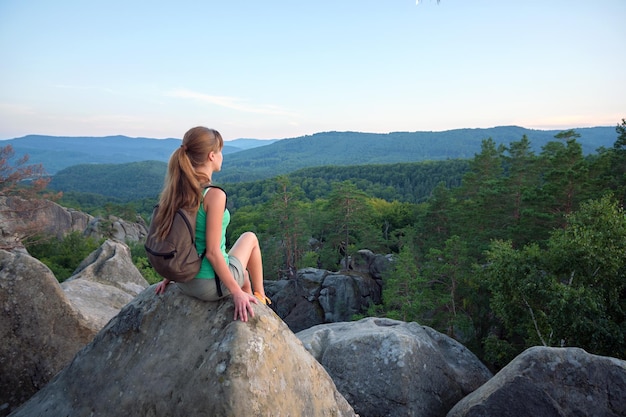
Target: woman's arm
x=214, y=203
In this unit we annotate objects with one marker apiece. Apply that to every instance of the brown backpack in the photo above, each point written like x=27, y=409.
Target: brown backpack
x=175, y=257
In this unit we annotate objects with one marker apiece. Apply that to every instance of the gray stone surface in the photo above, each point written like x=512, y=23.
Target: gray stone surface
x=40, y=330
x=545, y=381
x=103, y=283
x=317, y=296
x=386, y=367
x=173, y=355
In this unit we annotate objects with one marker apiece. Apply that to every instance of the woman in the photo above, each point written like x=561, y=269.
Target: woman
x=187, y=185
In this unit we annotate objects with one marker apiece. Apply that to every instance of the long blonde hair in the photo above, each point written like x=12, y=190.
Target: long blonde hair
x=183, y=184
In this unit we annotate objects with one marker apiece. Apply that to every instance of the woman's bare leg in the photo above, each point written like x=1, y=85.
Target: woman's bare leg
x=248, y=251
x=246, y=282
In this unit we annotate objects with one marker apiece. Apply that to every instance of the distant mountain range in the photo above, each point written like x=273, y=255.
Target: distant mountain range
x=253, y=159
x=355, y=148
x=57, y=152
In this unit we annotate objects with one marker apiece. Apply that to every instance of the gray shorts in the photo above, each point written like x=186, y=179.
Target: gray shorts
x=205, y=288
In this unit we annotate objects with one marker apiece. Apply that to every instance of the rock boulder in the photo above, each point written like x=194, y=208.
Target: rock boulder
x=371, y=263
x=386, y=367
x=317, y=296
x=173, y=355
x=40, y=330
x=20, y=217
x=544, y=381
x=103, y=283
x=117, y=228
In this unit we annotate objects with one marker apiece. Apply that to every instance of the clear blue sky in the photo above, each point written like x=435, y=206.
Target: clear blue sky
x=278, y=69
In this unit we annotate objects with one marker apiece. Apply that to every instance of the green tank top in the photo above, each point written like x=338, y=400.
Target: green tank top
x=206, y=270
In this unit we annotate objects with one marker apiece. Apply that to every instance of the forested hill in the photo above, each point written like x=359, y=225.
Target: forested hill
x=252, y=159
x=353, y=148
x=408, y=182
x=56, y=152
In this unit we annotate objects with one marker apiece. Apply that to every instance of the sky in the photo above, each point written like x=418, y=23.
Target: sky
x=279, y=69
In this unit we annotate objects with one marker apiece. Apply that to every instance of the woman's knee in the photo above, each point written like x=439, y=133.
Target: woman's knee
x=250, y=240
x=246, y=246
x=250, y=236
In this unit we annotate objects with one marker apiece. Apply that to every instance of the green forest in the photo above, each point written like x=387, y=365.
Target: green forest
x=529, y=248
x=510, y=249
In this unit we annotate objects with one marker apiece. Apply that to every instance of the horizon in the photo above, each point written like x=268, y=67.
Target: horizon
x=313, y=134
x=277, y=69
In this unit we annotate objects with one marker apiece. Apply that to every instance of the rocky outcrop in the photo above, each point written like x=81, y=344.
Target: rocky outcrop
x=545, y=381
x=368, y=262
x=317, y=296
x=19, y=217
x=173, y=355
x=47, y=323
x=103, y=283
x=386, y=367
x=40, y=331
x=116, y=228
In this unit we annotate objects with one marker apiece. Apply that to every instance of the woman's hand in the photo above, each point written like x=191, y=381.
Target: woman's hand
x=160, y=289
x=243, y=306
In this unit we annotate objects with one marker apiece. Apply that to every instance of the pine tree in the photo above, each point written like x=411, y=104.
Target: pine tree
x=351, y=217
x=481, y=211
x=564, y=172
x=403, y=288
x=287, y=224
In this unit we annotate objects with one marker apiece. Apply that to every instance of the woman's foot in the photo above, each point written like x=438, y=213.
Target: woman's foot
x=262, y=298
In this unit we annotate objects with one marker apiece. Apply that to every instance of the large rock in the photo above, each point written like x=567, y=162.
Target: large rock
x=173, y=355
x=371, y=263
x=103, y=283
x=386, y=367
x=343, y=295
x=117, y=228
x=20, y=217
x=317, y=296
x=292, y=304
x=545, y=381
x=40, y=331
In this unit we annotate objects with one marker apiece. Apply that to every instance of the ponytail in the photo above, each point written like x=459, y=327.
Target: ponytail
x=183, y=185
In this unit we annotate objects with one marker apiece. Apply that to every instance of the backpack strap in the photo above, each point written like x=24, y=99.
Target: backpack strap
x=192, y=232
x=206, y=188
x=218, y=283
